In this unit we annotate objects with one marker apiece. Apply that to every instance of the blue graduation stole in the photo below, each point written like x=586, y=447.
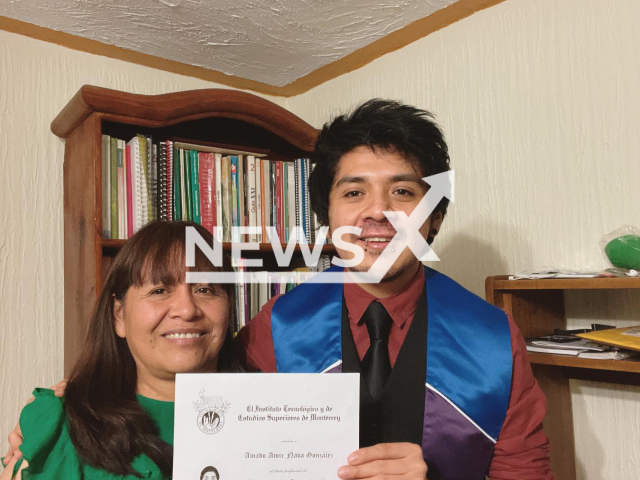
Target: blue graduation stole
x=469, y=363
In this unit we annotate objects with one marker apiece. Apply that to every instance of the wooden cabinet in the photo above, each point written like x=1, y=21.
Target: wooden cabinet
x=538, y=307
x=225, y=118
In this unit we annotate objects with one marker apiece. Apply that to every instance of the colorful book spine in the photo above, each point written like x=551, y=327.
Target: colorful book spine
x=142, y=169
x=251, y=196
x=285, y=202
x=184, y=192
x=235, y=207
x=186, y=157
x=278, y=202
x=226, y=198
x=307, y=226
x=218, y=177
x=114, y=187
x=298, y=208
x=177, y=186
x=206, y=176
x=266, y=198
x=242, y=210
x=129, y=189
x=195, y=187
x=106, y=189
x=303, y=210
x=291, y=198
x=121, y=191
x=170, y=176
x=162, y=181
x=154, y=180
x=258, y=177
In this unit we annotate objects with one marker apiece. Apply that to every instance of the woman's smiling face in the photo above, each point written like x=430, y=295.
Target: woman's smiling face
x=173, y=328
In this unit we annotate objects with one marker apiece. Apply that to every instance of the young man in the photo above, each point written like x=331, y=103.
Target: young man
x=481, y=411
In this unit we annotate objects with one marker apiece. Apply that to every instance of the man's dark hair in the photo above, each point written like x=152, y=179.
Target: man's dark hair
x=378, y=124
x=210, y=470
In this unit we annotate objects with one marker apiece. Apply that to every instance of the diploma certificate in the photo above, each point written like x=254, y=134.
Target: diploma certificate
x=264, y=426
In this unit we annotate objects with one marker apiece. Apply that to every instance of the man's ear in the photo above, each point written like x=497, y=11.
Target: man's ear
x=434, y=228
x=118, y=318
x=436, y=222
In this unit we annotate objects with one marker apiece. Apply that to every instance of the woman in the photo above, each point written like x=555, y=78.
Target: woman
x=116, y=418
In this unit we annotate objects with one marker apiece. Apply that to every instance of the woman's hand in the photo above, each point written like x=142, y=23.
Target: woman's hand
x=8, y=471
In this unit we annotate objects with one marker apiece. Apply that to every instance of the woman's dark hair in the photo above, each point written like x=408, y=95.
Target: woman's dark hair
x=377, y=124
x=107, y=425
x=210, y=470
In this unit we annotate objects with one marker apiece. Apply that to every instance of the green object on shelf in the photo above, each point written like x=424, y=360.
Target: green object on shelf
x=624, y=252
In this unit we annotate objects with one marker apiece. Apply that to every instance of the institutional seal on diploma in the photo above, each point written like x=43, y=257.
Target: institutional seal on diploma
x=211, y=412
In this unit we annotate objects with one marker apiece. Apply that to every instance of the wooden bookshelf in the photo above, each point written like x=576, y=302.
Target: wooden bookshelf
x=537, y=307
x=227, y=118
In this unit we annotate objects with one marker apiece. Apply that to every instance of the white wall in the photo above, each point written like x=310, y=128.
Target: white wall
x=540, y=103
x=36, y=80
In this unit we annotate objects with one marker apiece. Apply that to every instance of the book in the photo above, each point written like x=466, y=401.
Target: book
x=628, y=337
x=206, y=173
x=285, y=201
x=162, y=182
x=195, y=187
x=114, y=187
x=291, y=200
x=259, y=190
x=106, y=187
x=227, y=219
x=298, y=208
x=278, y=202
x=142, y=169
x=176, y=185
x=154, y=181
x=170, y=176
x=266, y=199
x=218, y=201
x=235, y=208
x=129, y=188
x=121, y=191
x=252, y=196
x=185, y=157
x=184, y=193
x=307, y=219
x=240, y=185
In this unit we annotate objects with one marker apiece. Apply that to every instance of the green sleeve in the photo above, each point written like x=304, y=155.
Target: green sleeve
x=47, y=445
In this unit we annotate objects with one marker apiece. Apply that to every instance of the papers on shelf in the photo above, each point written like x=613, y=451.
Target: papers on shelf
x=580, y=348
x=610, y=355
x=555, y=351
x=535, y=273
x=578, y=344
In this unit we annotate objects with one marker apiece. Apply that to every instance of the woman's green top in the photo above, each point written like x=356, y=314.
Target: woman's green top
x=51, y=454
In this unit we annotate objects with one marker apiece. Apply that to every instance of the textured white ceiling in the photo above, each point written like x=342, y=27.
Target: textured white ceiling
x=270, y=41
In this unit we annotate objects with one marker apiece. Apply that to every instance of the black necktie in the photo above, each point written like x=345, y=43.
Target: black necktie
x=376, y=366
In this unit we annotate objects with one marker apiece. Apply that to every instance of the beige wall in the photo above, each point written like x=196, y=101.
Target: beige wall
x=36, y=81
x=540, y=103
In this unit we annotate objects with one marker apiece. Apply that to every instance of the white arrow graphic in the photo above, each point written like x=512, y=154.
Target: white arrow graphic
x=408, y=229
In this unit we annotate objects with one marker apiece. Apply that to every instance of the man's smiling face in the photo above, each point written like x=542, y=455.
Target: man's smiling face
x=367, y=183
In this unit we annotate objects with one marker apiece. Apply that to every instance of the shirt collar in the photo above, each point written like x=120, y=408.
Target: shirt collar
x=400, y=305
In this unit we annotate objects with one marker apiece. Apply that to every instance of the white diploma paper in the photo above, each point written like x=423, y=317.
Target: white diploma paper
x=261, y=426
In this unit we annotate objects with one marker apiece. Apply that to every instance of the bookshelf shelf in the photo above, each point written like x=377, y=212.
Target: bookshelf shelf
x=537, y=308
x=216, y=117
x=503, y=283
